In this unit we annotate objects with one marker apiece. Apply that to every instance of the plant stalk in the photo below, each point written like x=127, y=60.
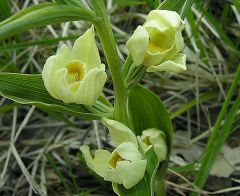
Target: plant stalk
x=105, y=33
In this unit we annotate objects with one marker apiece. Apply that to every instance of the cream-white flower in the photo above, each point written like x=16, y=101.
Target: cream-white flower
x=125, y=165
x=157, y=139
x=76, y=75
x=159, y=42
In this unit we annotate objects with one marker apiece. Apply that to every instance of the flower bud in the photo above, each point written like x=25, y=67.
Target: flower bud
x=156, y=138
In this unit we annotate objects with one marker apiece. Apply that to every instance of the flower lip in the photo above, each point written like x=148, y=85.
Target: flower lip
x=75, y=67
x=75, y=70
x=114, y=159
x=147, y=141
x=160, y=41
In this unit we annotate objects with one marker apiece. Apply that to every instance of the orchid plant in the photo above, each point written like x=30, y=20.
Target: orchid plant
x=72, y=82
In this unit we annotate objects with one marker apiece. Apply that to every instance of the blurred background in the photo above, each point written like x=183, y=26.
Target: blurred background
x=45, y=145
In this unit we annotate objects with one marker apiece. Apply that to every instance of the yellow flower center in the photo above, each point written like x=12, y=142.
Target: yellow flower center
x=160, y=41
x=146, y=140
x=75, y=71
x=156, y=42
x=114, y=159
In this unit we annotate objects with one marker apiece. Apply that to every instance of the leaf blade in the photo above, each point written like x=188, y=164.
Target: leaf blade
x=41, y=15
x=29, y=89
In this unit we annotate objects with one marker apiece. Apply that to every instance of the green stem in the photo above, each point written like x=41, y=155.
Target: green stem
x=210, y=155
x=105, y=33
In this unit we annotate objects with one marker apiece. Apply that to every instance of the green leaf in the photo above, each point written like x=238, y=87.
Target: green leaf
x=175, y=5
x=127, y=2
x=186, y=8
x=152, y=167
x=41, y=15
x=71, y=2
x=237, y=5
x=29, y=89
x=146, y=110
x=40, y=41
x=5, y=8
x=196, y=35
x=153, y=3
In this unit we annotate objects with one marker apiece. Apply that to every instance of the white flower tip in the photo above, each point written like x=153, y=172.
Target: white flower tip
x=119, y=132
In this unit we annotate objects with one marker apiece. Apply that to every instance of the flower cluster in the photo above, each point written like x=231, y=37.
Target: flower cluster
x=76, y=75
x=126, y=165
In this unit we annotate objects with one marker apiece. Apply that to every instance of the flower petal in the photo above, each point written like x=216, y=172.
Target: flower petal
x=176, y=64
x=98, y=162
x=156, y=58
x=112, y=175
x=179, y=41
x=91, y=87
x=138, y=44
x=161, y=151
x=166, y=17
x=85, y=50
x=161, y=41
x=119, y=132
x=128, y=151
x=101, y=160
x=115, y=188
x=63, y=56
x=47, y=73
x=87, y=156
x=53, y=64
x=131, y=172
x=59, y=86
